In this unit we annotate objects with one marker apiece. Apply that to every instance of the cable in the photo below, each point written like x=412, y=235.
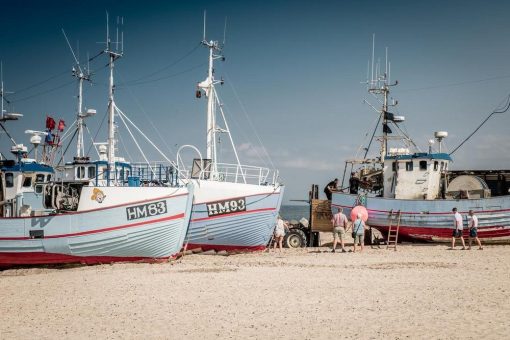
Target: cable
x=165, y=67
x=97, y=133
x=455, y=84
x=373, y=134
x=41, y=82
x=162, y=78
x=506, y=107
x=43, y=92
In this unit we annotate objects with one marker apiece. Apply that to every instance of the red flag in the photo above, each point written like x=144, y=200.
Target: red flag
x=50, y=123
x=61, y=125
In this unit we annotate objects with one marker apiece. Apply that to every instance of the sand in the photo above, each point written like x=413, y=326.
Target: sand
x=420, y=291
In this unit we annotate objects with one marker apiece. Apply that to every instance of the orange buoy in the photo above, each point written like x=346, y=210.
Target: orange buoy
x=359, y=209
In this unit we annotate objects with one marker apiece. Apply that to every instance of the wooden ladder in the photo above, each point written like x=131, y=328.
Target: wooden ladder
x=392, y=239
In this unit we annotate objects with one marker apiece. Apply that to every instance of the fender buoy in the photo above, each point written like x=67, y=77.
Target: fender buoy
x=359, y=209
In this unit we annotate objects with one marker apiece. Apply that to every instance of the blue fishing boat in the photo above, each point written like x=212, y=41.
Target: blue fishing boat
x=417, y=189
x=102, y=216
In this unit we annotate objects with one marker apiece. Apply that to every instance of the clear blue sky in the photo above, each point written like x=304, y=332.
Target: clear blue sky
x=296, y=68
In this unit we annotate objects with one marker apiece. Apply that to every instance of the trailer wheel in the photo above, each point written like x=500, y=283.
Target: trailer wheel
x=295, y=238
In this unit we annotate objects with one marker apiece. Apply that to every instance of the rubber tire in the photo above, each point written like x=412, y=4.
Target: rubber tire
x=295, y=238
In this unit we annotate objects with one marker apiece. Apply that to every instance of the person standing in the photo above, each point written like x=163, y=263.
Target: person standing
x=332, y=186
x=473, y=230
x=339, y=222
x=279, y=233
x=358, y=232
x=353, y=183
x=458, y=228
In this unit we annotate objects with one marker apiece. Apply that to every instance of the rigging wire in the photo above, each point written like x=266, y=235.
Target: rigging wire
x=373, y=134
x=456, y=84
x=243, y=109
x=175, y=62
x=496, y=111
x=43, y=92
x=163, y=78
x=50, y=90
x=148, y=118
x=41, y=82
x=97, y=133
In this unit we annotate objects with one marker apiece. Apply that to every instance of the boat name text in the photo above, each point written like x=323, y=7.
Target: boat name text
x=146, y=210
x=226, y=207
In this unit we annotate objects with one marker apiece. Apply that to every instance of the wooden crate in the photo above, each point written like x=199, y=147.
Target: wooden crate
x=320, y=218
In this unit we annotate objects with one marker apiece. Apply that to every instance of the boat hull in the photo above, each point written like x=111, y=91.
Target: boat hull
x=149, y=225
x=248, y=229
x=432, y=220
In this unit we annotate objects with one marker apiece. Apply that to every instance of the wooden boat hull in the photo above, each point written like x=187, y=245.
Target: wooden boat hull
x=432, y=220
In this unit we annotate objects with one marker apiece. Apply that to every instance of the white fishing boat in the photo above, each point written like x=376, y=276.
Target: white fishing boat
x=235, y=206
x=418, y=190
x=105, y=219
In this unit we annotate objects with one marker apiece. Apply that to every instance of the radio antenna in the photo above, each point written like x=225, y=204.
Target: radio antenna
x=224, y=31
x=205, y=14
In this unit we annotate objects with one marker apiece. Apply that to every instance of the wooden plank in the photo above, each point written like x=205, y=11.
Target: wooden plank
x=320, y=218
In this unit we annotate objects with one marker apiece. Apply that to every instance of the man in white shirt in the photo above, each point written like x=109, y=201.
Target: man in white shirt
x=473, y=230
x=458, y=228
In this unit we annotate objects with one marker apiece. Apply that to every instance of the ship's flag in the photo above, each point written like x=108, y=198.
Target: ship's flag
x=61, y=125
x=50, y=123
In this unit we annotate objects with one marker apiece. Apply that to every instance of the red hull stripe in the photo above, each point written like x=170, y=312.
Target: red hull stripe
x=96, y=231
x=13, y=259
x=430, y=213
x=105, y=208
x=416, y=232
x=232, y=214
x=233, y=198
x=220, y=247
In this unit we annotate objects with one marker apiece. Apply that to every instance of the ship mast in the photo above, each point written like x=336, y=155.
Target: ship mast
x=113, y=55
x=215, y=52
x=380, y=84
x=80, y=115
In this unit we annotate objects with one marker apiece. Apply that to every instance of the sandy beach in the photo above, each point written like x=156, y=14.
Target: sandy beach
x=420, y=291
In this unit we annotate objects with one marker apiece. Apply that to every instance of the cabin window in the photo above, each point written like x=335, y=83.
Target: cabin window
x=39, y=178
x=409, y=166
x=80, y=172
x=27, y=181
x=394, y=166
x=92, y=172
x=423, y=165
x=442, y=166
x=436, y=165
x=48, y=178
x=39, y=189
x=9, y=180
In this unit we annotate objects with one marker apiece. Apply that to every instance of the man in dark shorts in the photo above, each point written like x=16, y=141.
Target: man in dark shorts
x=458, y=228
x=473, y=230
x=332, y=186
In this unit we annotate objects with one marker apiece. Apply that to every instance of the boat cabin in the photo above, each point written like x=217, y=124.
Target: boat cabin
x=94, y=172
x=414, y=175
x=19, y=181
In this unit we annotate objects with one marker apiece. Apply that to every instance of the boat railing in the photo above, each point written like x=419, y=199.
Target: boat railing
x=154, y=172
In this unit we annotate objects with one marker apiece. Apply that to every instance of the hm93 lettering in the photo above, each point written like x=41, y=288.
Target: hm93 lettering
x=226, y=207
